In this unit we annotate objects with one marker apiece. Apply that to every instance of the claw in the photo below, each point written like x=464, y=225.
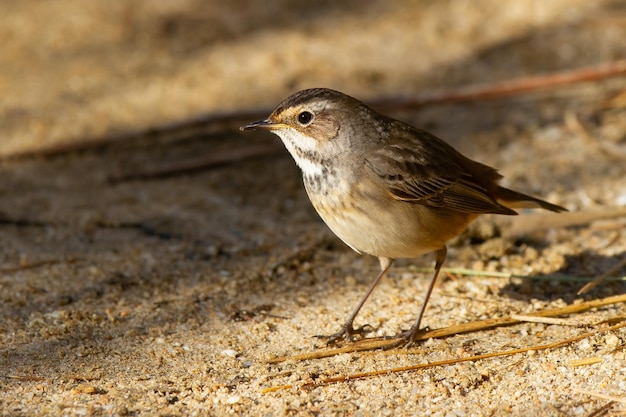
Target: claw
x=406, y=339
x=346, y=333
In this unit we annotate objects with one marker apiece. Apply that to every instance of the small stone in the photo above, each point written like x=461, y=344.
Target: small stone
x=233, y=399
x=230, y=353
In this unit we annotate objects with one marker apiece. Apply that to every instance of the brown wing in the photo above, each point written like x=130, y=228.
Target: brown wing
x=422, y=169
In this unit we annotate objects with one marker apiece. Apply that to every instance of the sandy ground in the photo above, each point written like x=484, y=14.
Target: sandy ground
x=168, y=296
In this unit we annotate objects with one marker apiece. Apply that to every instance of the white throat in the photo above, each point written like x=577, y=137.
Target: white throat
x=303, y=149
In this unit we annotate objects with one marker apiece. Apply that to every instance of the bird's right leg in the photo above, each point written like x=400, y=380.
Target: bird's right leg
x=347, y=330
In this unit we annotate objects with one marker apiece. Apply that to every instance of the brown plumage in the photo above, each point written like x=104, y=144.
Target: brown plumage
x=383, y=186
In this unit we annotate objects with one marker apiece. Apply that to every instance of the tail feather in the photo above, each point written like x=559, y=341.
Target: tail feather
x=513, y=199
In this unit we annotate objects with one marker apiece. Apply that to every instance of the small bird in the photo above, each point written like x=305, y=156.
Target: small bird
x=384, y=187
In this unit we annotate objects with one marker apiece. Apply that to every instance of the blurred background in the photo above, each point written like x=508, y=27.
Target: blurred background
x=72, y=69
x=128, y=293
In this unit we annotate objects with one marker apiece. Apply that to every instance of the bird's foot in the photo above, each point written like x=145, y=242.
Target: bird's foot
x=406, y=338
x=347, y=333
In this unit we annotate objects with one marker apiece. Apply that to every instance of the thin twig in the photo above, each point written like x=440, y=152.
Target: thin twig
x=23, y=222
x=475, y=358
x=602, y=410
x=532, y=223
x=545, y=320
x=508, y=275
x=602, y=277
x=598, y=395
x=25, y=378
x=37, y=264
x=585, y=361
x=507, y=88
x=376, y=343
x=214, y=122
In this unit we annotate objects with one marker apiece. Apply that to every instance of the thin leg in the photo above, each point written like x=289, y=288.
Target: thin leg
x=408, y=337
x=347, y=330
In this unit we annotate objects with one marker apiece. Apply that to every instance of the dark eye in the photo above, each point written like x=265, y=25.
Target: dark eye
x=305, y=117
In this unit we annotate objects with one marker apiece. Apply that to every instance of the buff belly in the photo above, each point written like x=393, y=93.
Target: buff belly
x=379, y=225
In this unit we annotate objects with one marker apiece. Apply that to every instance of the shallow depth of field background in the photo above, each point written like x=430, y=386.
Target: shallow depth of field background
x=167, y=295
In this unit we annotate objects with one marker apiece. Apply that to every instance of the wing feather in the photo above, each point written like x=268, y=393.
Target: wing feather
x=423, y=169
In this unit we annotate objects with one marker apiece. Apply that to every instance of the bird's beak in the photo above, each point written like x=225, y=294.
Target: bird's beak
x=261, y=124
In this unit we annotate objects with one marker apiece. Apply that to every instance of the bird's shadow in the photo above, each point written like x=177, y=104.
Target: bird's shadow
x=565, y=283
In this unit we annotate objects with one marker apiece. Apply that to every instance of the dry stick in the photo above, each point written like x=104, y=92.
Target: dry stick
x=602, y=277
x=532, y=223
x=508, y=88
x=544, y=320
x=585, y=361
x=24, y=378
x=223, y=121
x=601, y=410
x=370, y=344
x=479, y=92
x=37, y=264
x=507, y=275
x=598, y=395
x=475, y=358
